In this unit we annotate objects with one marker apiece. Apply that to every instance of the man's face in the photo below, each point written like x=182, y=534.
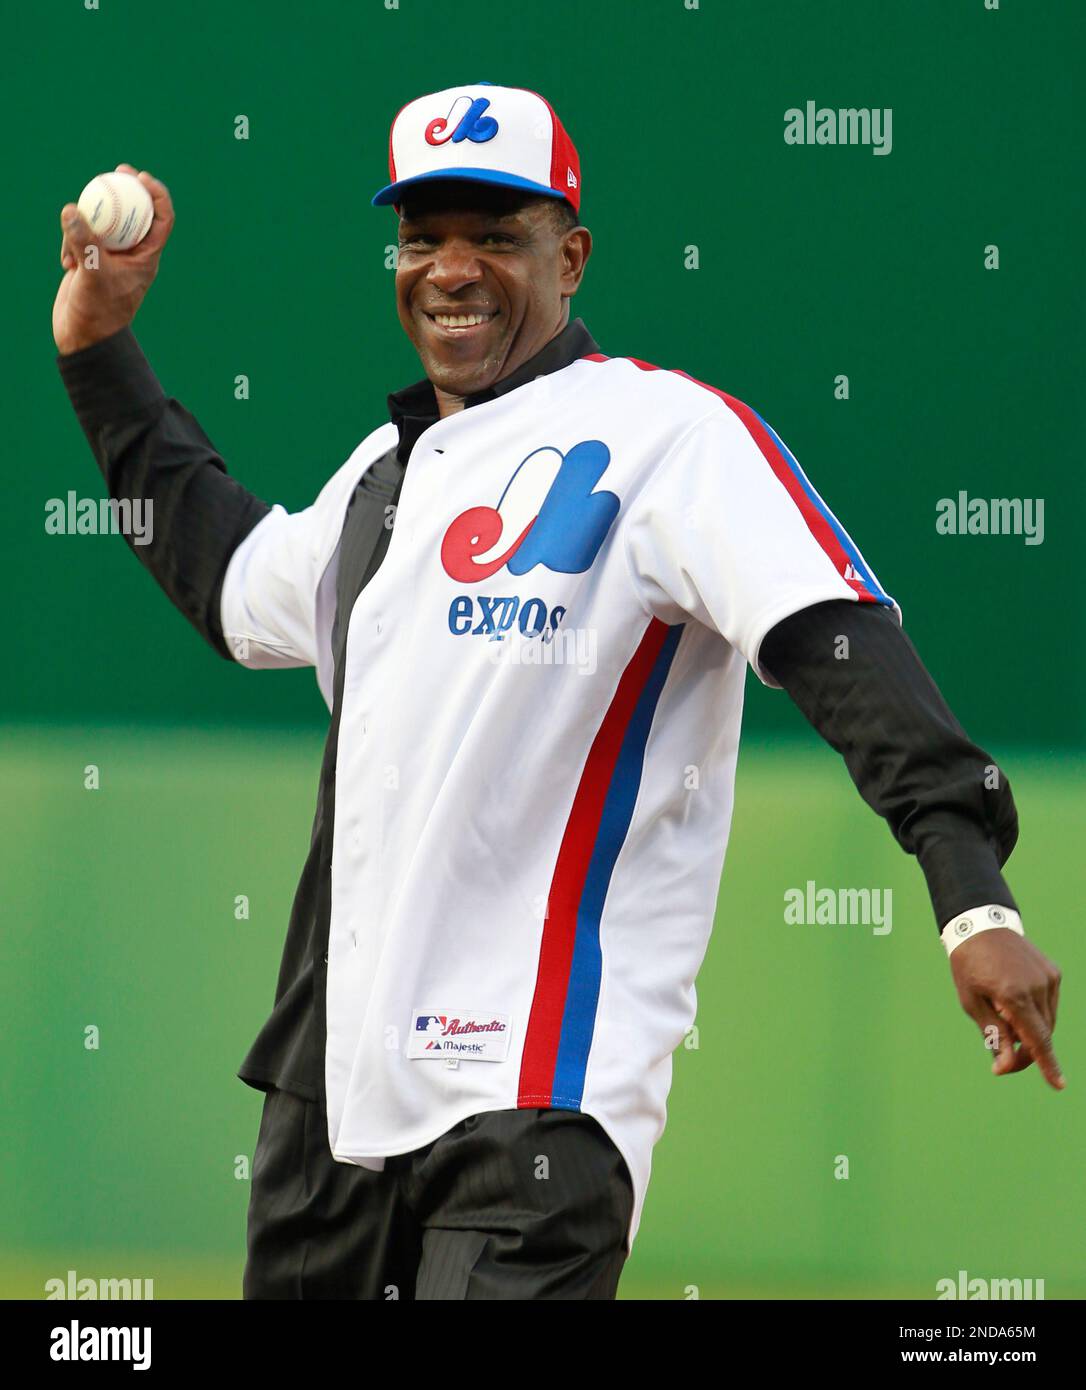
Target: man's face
x=466, y=250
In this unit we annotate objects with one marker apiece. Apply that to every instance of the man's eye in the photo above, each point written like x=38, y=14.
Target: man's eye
x=425, y=240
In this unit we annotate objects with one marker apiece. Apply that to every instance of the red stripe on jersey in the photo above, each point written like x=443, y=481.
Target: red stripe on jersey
x=817, y=523
x=570, y=870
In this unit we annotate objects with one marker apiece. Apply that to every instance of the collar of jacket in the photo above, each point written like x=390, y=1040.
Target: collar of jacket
x=414, y=409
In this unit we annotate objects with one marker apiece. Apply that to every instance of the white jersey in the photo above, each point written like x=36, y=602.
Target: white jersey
x=540, y=720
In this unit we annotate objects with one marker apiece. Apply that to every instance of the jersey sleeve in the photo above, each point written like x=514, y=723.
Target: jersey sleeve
x=268, y=604
x=730, y=531
x=274, y=608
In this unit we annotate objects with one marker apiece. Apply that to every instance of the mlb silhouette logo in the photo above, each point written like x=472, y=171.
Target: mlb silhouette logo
x=430, y=1023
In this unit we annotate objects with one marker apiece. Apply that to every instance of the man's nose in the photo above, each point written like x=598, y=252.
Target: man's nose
x=455, y=263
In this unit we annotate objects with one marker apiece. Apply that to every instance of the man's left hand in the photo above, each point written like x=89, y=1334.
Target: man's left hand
x=1006, y=984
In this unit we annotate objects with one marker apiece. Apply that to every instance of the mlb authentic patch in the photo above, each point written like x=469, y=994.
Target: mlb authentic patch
x=461, y=1033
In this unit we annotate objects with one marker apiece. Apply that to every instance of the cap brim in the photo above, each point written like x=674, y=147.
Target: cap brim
x=393, y=192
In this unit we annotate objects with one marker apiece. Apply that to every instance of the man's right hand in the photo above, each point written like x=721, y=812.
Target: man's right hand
x=92, y=304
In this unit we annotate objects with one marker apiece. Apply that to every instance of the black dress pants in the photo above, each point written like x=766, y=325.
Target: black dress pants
x=509, y=1204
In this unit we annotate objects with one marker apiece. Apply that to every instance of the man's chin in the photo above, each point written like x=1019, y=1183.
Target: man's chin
x=463, y=380
x=462, y=368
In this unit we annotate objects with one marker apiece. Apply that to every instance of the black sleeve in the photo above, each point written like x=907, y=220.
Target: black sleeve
x=943, y=797
x=150, y=447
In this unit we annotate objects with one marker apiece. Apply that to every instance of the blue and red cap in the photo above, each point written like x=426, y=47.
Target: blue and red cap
x=482, y=133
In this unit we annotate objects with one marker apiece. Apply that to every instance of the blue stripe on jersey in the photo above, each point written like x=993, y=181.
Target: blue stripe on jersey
x=582, y=997
x=847, y=543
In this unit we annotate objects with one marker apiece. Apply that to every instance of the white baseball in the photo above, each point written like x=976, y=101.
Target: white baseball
x=118, y=210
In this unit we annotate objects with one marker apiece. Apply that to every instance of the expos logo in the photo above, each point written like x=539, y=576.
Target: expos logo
x=563, y=533
x=463, y=124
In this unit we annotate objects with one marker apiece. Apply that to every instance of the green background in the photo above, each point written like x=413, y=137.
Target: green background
x=814, y=262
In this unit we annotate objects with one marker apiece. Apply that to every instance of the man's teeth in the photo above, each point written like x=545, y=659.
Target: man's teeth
x=461, y=320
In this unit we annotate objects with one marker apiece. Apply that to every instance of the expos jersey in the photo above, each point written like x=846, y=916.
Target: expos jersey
x=539, y=726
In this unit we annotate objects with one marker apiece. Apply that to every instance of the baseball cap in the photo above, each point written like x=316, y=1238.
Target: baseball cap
x=482, y=133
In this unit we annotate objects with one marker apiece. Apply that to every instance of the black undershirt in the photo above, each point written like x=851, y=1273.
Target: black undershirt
x=908, y=756
x=943, y=797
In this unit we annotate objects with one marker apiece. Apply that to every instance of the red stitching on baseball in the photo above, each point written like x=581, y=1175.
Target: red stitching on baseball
x=116, y=205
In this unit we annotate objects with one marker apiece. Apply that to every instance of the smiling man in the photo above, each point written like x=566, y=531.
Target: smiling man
x=514, y=861
x=474, y=321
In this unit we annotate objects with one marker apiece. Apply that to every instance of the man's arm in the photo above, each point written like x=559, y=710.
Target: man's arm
x=728, y=530
x=944, y=798
x=148, y=446
x=858, y=680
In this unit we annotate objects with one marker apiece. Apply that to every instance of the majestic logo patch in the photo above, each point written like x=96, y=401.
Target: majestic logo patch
x=562, y=533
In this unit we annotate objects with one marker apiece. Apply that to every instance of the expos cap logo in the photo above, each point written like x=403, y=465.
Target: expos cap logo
x=463, y=124
x=564, y=533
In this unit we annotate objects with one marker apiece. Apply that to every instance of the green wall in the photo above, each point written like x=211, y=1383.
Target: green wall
x=814, y=262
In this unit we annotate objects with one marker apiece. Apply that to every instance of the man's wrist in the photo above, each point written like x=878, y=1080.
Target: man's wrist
x=990, y=917
x=110, y=380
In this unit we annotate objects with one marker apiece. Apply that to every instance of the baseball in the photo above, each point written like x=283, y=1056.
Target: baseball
x=118, y=210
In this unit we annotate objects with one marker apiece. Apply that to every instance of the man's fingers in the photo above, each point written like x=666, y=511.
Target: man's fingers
x=162, y=219
x=1012, y=1057
x=77, y=236
x=1054, y=999
x=154, y=186
x=1048, y=999
x=999, y=1036
x=163, y=206
x=1035, y=1036
x=1007, y=985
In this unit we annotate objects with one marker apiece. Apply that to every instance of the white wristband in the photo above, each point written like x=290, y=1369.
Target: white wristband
x=978, y=919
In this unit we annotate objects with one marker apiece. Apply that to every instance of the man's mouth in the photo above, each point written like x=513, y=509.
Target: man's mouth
x=460, y=325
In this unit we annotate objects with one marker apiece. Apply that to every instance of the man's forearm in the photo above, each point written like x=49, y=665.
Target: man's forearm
x=943, y=797
x=149, y=447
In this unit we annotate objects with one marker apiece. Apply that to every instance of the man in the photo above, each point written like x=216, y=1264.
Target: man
x=535, y=681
